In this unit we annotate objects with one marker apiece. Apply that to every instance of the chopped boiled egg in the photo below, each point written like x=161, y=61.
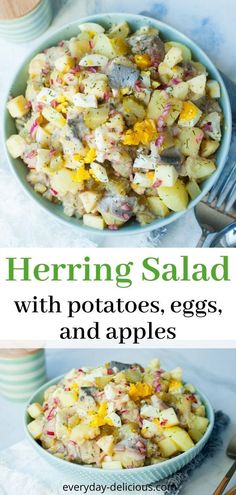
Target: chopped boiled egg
x=189, y=115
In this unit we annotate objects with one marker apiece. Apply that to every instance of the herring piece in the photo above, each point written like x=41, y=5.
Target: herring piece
x=150, y=44
x=120, y=207
x=119, y=366
x=122, y=76
x=172, y=156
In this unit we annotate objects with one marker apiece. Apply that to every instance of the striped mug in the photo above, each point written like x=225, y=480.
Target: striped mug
x=22, y=371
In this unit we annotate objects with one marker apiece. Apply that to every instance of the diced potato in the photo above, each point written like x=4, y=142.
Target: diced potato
x=193, y=189
x=157, y=206
x=110, y=47
x=16, y=145
x=180, y=437
x=93, y=60
x=144, y=180
x=35, y=410
x=133, y=111
x=94, y=221
x=198, y=422
x=51, y=115
x=62, y=182
x=213, y=89
x=165, y=72
x=214, y=131
x=121, y=30
x=111, y=465
x=180, y=91
x=195, y=434
x=173, y=56
x=167, y=174
x=32, y=89
x=106, y=444
x=83, y=432
x=111, y=220
x=42, y=136
x=78, y=48
x=168, y=416
x=198, y=84
x=95, y=117
x=186, y=52
x=200, y=411
x=167, y=447
x=199, y=167
x=209, y=147
x=36, y=428
x=17, y=106
x=157, y=104
x=91, y=27
x=176, y=107
x=175, y=197
x=37, y=64
x=89, y=200
x=190, y=139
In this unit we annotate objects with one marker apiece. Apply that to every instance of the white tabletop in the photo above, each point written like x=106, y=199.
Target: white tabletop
x=210, y=23
x=213, y=371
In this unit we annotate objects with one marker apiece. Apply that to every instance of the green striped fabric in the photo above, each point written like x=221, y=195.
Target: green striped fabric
x=20, y=377
x=29, y=26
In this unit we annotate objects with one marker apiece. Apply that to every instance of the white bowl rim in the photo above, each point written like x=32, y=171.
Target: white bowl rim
x=201, y=443
x=160, y=222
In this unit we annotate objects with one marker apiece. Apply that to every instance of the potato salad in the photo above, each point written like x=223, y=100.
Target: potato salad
x=117, y=125
x=119, y=416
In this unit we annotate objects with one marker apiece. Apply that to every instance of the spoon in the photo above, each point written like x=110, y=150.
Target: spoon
x=231, y=452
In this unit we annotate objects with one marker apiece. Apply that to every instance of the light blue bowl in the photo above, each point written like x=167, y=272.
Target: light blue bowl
x=135, y=21
x=143, y=475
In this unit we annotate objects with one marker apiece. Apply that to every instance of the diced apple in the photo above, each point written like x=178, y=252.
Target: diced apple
x=36, y=428
x=180, y=437
x=167, y=447
x=198, y=422
x=167, y=174
x=198, y=84
x=168, y=417
x=186, y=52
x=190, y=139
x=85, y=101
x=37, y=64
x=175, y=197
x=16, y=145
x=89, y=200
x=195, y=434
x=94, y=221
x=177, y=373
x=35, y=410
x=66, y=398
x=213, y=88
x=157, y=206
x=193, y=189
x=43, y=158
x=173, y=56
x=93, y=60
x=106, y=444
x=17, y=106
x=64, y=63
x=78, y=48
x=111, y=465
x=91, y=27
x=53, y=116
x=43, y=137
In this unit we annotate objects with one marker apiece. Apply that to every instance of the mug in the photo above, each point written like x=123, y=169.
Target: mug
x=22, y=371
